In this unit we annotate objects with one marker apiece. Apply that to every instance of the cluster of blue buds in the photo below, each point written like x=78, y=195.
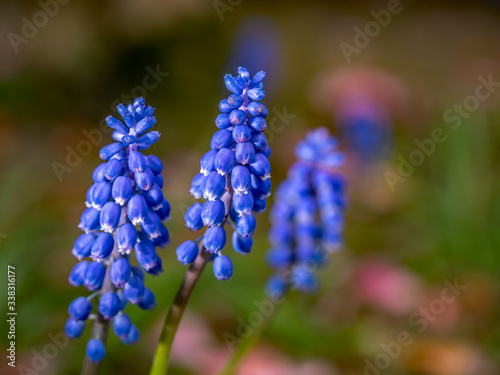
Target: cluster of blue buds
x=307, y=216
x=234, y=177
x=125, y=211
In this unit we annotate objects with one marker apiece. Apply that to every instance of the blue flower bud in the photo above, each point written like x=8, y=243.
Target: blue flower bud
x=224, y=107
x=159, y=180
x=303, y=280
x=280, y=234
x=146, y=255
x=187, y=252
x=122, y=190
x=232, y=214
x=221, y=139
x=257, y=109
x=214, y=186
x=109, y=305
x=261, y=167
x=243, y=73
x=245, y=225
x=80, y=308
x=83, y=245
x=245, y=153
x=110, y=217
x=214, y=239
x=267, y=152
x=240, y=82
x=280, y=258
x=137, y=162
x=89, y=220
x=88, y=195
x=157, y=269
x=242, y=245
x=276, y=287
x=137, y=209
x=116, y=124
x=101, y=194
x=235, y=101
x=259, y=205
x=222, y=121
x=126, y=238
x=154, y=163
x=256, y=94
x=118, y=136
x=145, y=141
x=102, y=247
x=243, y=204
x=145, y=124
x=120, y=272
x=152, y=225
x=127, y=117
x=193, y=217
x=133, y=336
x=74, y=328
x=224, y=161
x=231, y=84
x=163, y=239
x=134, y=289
x=94, y=276
x=154, y=197
x=237, y=117
x=261, y=188
x=207, y=162
x=242, y=133
x=121, y=325
x=95, y=350
x=128, y=140
x=145, y=180
x=163, y=211
x=259, y=141
x=77, y=274
x=110, y=150
x=98, y=174
x=240, y=180
x=113, y=169
x=197, y=186
x=223, y=268
x=212, y=212
x=148, y=301
x=257, y=124
x=257, y=78
x=137, y=271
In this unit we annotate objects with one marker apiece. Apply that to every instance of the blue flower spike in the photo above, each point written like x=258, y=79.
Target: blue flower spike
x=238, y=155
x=125, y=213
x=307, y=218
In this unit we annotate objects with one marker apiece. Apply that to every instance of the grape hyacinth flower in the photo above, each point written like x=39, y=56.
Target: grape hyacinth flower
x=307, y=218
x=234, y=180
x=234, y=175
x=125, y=213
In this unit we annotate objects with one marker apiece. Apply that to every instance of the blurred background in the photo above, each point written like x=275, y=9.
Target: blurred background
x=408, y=87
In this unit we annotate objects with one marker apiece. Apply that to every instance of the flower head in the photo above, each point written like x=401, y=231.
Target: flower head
x=125, y=213
x=234, y=175
x=307, y=216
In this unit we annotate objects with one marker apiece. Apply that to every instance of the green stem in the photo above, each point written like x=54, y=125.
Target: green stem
x=176, y=310
x=245, y=346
